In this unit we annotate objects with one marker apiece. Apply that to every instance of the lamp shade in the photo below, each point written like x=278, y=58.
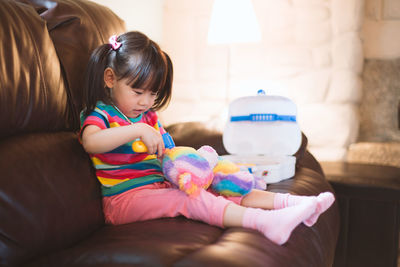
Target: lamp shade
x=233, y=21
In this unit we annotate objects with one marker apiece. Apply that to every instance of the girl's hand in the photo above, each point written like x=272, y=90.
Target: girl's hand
x=151, y=138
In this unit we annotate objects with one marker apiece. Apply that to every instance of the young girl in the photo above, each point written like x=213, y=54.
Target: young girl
x=127, y=81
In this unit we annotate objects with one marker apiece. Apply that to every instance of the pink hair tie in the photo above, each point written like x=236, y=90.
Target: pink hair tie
x=114, y=43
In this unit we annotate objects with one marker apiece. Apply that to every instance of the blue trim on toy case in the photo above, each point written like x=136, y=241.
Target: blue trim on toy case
x=264, y=117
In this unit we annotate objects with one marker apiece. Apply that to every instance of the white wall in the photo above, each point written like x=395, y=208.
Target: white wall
x=141, y=15
x=311, y=52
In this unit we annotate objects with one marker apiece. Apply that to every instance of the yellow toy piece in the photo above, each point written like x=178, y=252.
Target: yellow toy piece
x=139, y=147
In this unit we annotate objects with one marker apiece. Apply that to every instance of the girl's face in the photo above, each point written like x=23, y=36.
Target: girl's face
x=132, y=101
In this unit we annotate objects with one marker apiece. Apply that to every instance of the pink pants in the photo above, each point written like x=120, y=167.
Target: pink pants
x=160, y=200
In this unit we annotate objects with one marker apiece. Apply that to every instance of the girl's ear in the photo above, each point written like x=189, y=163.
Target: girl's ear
x=109, y=77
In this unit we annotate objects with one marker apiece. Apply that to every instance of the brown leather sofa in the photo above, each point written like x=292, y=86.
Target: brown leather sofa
x=50, y=201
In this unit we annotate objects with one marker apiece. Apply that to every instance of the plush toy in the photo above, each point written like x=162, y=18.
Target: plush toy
x=187, y=168
x=230, y=180
x=192, y=170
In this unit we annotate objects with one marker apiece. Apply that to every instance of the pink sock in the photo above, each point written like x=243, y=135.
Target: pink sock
x=277, y=225
x=324, y=201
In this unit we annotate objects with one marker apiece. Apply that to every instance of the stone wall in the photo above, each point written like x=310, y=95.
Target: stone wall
x=311, y=52
x=379, y=137
x=381, y=75
x=381, y=29
x=379, y=120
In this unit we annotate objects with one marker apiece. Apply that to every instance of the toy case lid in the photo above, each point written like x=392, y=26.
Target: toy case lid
x=262, y=125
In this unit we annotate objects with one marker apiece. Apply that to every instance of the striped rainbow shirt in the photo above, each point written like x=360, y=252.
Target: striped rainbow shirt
x=122, y=169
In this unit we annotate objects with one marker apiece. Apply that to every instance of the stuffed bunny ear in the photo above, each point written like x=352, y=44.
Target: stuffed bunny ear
x=209, y=154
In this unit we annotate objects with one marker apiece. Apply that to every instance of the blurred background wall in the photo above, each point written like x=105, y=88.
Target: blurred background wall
x=338, y=60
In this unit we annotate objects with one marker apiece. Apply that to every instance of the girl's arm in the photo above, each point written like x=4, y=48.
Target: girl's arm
x=96, y=140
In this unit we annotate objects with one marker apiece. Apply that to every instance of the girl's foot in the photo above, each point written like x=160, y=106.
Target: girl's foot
x=324, y=201
x=277, y=225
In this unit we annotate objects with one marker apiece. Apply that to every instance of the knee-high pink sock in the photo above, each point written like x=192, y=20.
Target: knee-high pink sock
x=324, y=201
x=277, y=225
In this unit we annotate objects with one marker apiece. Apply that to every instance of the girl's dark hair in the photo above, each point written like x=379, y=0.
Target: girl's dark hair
x=138, y=59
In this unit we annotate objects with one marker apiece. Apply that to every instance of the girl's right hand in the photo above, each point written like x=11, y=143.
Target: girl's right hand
x=151, y=138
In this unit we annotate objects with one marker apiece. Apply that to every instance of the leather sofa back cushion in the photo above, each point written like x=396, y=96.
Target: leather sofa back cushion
x=77, y=27
x=45, y=46
x=32, y=90
x=49, y=196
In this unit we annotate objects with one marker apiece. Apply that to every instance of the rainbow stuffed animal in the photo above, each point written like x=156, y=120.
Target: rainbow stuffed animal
x=230, y=180
x=191, y=170
x=187, y=168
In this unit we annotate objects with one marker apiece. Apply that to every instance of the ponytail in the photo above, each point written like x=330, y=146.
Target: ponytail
x=164, y=96
x=94, y=86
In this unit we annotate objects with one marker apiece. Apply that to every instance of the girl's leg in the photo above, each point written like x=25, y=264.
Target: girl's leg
x=155, y=202
x=159, y=201
x=259, y=199
x=270, y=200
x=276, y=225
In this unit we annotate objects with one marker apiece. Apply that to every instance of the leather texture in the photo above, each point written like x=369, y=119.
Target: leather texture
x=33, y=95
x=50, y=200
x=45, y=205
x=76, y=28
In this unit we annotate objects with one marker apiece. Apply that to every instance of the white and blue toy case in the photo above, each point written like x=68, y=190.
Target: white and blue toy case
x=262, y=134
